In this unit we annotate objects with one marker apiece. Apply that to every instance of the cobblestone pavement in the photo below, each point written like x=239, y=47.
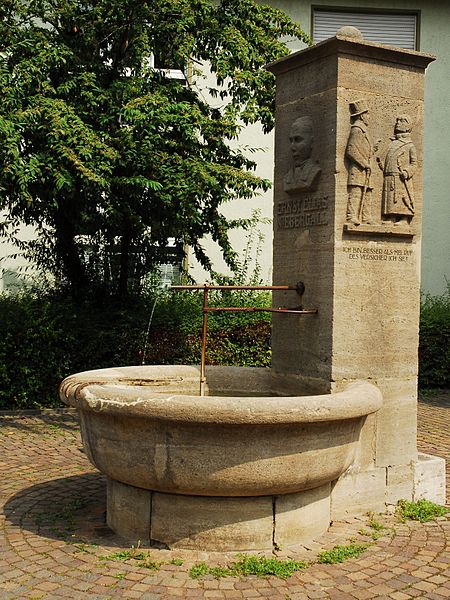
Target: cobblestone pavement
x=54, y=542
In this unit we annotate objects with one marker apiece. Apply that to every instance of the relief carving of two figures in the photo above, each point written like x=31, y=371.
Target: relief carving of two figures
x=398, y=169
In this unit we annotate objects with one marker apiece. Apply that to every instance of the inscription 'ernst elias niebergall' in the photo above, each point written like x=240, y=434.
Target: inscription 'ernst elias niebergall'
x=308, y=211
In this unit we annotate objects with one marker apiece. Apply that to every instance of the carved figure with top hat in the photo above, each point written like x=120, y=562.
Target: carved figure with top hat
x=359, y=153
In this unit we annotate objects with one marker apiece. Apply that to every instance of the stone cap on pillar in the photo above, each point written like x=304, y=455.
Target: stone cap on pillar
x=350, y=41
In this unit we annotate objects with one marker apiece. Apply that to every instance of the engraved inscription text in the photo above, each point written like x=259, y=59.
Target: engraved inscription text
x=377, y=254
x=308, y=211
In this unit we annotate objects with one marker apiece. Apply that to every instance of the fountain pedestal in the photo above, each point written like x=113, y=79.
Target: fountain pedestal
x=212, y=523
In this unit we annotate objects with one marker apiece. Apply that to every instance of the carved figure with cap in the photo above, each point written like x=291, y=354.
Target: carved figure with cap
x=399, y=167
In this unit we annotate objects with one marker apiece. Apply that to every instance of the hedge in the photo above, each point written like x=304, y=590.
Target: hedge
x=46, y=336
x=434, y=341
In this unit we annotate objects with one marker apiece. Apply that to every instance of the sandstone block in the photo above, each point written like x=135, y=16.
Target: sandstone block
x=429, y=478
x=358, y=493
x=208, y=523
x=302, y=516
x=397, y=423
x=366, y=449
x=400, y=483
x=128, y=511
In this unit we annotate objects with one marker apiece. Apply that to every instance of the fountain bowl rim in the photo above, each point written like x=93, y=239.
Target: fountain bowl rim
x=108, y=391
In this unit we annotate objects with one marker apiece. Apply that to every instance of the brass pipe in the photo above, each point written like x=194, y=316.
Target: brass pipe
x=295, y=311
x=299, y=288
x=205, y=329
x=234, y=287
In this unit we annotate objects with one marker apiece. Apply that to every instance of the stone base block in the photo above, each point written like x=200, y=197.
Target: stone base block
x=429, y=478
x=211, y=523
x=358, y=493
x=400, y=484
x=366, y=449
x=128, y=511
x=397, y=422
x=302, y=517
x=216, y=523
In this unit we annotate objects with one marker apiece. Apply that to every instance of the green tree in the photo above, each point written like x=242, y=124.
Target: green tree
x=105, y=155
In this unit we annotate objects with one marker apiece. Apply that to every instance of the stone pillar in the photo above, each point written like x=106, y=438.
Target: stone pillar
x=347, y=222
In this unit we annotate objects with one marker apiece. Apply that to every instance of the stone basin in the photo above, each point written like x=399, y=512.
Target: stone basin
x=189, y=471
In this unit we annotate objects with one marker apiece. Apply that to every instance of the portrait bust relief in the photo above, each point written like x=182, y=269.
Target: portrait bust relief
x=305, y=173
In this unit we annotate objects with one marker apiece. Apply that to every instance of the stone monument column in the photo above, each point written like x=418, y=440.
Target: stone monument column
x=347, y=222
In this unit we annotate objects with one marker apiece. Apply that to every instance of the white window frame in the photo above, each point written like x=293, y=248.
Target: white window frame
x=169, y=73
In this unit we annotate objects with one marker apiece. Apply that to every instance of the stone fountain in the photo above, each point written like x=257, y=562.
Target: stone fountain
x=271, y=456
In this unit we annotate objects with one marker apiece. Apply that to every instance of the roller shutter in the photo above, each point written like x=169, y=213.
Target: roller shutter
x=388, y=28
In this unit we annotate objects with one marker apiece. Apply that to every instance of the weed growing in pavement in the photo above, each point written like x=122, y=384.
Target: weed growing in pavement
x=261, y=566
x=375, y=535
x=374, y=524
x=84, y=548
x=150, y=564
x=218, y=572
x=199, y=570
x=250, y=565
x=142, y=558
x=376, y=530
x=340, y=553
x=54, y=430
x=421, y=510
x=124, y=555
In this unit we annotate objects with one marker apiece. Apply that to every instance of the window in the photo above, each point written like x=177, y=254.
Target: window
x=12, y=281
x=394, y=29
x=170, y=71
x=169, y=261
x=171, y=265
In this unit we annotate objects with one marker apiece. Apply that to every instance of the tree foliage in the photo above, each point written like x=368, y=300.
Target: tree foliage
x=105, y=155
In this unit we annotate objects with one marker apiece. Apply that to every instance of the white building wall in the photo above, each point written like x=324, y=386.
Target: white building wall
x=14, y=270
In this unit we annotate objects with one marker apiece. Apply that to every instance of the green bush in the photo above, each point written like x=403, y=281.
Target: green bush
x=46, y=336
x=35, y=345
x=434, y=341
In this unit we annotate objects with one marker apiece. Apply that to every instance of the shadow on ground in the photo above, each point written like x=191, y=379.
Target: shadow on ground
x=40, y=422
x=72, y=509
x=435, y=397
